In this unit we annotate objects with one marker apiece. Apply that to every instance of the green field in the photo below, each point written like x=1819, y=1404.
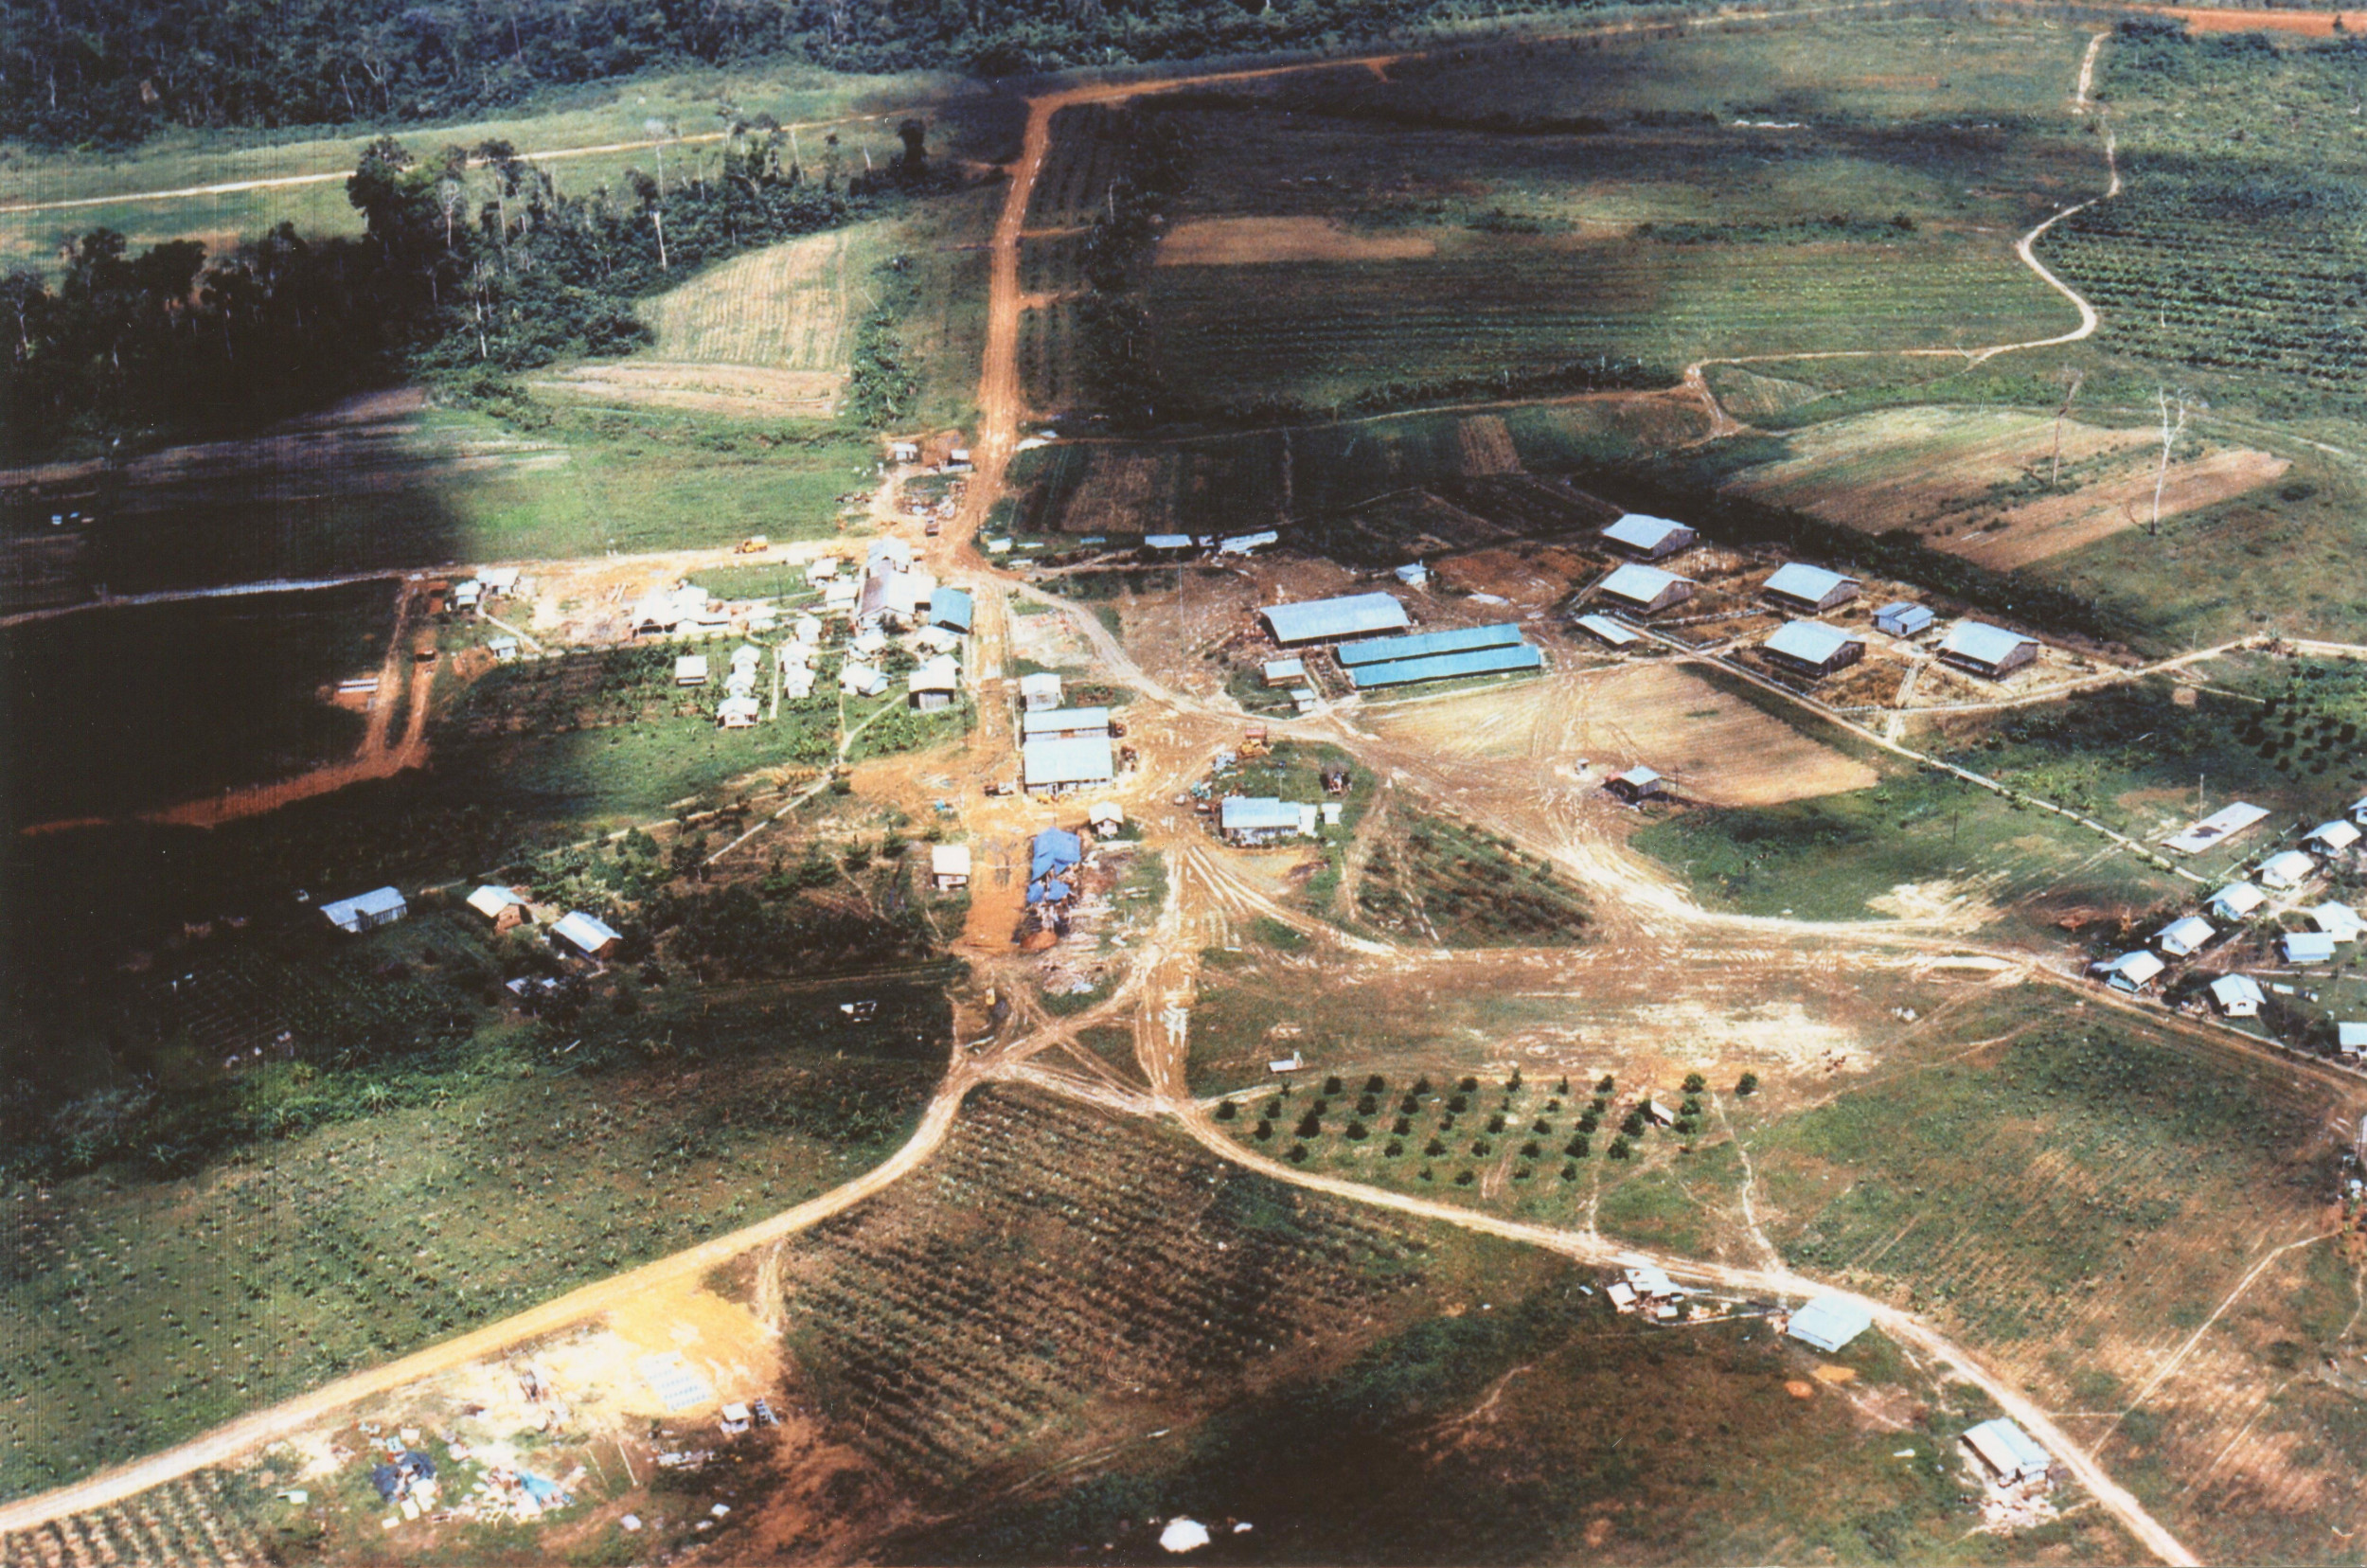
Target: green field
x=1537, y=203
x=144, y=1308
x=130, y=709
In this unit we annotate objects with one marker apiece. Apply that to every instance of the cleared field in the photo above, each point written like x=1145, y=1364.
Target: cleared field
x=1980, y=483
x=205, y=1520
x=729, y=388
x=1245, y=241
x=786, y=308
x=143, y=1309
x=1716, y=747
x=2080, y=1204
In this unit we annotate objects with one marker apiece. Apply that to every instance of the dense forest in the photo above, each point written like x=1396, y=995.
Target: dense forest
x=472, y=265
x=112, y=71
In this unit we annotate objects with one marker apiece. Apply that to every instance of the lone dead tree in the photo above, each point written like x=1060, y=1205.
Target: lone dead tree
x=2071, y=393
x=2171, y=430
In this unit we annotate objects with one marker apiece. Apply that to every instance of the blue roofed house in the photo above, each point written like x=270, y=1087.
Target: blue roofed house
x=951, y=608
x=1812, y=649
x=1986, y=651
x=1257, y=819
x=1810, y=590
x=1649, y=538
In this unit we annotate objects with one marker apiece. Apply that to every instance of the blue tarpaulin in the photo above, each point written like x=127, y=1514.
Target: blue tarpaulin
x=1055, y=850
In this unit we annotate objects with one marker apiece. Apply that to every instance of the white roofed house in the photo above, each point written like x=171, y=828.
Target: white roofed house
x=1830, y=1321
x=2236, y=901
x=2350, y=1039
x=1649, y=538
x=1986, y=651
x=1332, y=620
x=1257, y=819
x=1810, y=590
x=1040, y=691
x=1902, y=619
x=690, y=670
x=742, y=682
x=587, y=933
x=1637, y=783
x=857, y=679
x=2332, y=838
x=949, y=865
x=500, y=905
x=737, y=712
x=1283, y=672
x=1645, y=590
x=2237, y=996
x=2007, y=1451
x=2132, y=972
x=2288, y=871
x=1052, y=762
x=2185, y=938
x=2337, y=920
x=1045, y=724
x=934, y=684
x=366, y=910
x=1812, y=649
x=2359, y=811
x=2307, y=947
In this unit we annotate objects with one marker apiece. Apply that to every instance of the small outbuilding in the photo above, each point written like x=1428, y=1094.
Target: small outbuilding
x=1168, y=544
x=949, y=865
x=1607, y=631
x=934, y=684
x=505, y=649
x=1107, y=818
x=953, y=609
x=2336, y=919
x=857, y=679
x=1647, y=538
x=2350, y=1039
x=1040, y=691
x=1812, y=649
x=500, y=905
x=1810, y=590
x=1902, y=619
x=2332, y=838
x=587, y=933
x=2184, y=938
x=1257, y=819
x=2359, y=811
x=2308, y=946
x=738, y=712
x=1645, y=590
x=690, y=670
x=2132, y=972
x=2007, y=1451
x=1990, y=652
x=1636, y=784
x=1830, y=1321
x=2288, y=871
x=2237, y=996
x=2236, y=901
x=1283, y=672
x=380, y=906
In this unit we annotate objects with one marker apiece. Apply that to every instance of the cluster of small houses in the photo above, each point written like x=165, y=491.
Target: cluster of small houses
x=1804, y=647
x=2136, y=973
x=575, y=933
x=889, y=598
x=2010, y=1455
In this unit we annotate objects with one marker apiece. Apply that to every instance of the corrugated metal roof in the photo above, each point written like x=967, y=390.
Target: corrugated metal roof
x=951, y=606
x=1420, y=645
x=2309, y=947
x=1810, y=642
x=2289, y=869
x=1908, y=609
x=1167, y=541
x=1256, y=814
x=1639, y=584
x=1830, y=1321
x=1982, y=643
x=1800, y=580
x=1642, y=532
x=1079, y=760
x=2002, y=1438
x=1441, y=666
x=2337, y=834
x=377, y=900
x=2230, y=991
x=1057, y=720
x=1324, y=620
x=1284, y=669
x=588, y=932
x=2186, y=935
x=2238, y=899
x=948, y=860
x=1609, y=630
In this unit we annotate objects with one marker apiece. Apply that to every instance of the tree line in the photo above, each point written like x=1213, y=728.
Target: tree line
x=112, y=72
x=474, y=264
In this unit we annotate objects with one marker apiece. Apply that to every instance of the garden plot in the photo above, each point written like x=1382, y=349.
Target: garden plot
x=202, y=1520
x=1979, y=483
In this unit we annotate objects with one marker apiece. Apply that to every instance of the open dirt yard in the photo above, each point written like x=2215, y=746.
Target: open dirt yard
x=1718, y=748
x=1235, y=242
x=706, y=389
x=1975, y=482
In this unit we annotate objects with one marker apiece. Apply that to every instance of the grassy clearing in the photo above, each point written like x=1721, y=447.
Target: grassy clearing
x=786, y=307
x=151, y=706
x=1881, y=851
x=145, y=1311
